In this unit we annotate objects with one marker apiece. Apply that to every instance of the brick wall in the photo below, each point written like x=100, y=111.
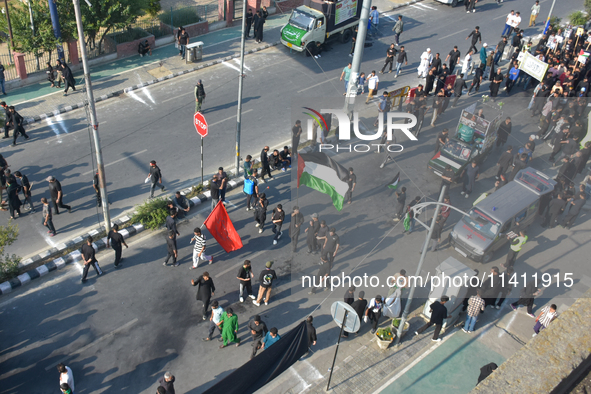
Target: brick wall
x=130, y=48
x=197, y=29
x=547, y=359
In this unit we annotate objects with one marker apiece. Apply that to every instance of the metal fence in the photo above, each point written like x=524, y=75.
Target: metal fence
x=33, y=64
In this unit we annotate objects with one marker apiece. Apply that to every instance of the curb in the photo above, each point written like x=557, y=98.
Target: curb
x=120, y=92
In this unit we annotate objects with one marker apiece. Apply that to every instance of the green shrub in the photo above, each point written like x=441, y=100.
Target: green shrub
x=195, y=191
x=180, y=17
x=8, y=263
x=152, y=213
x=577, y=18
x=128, y=35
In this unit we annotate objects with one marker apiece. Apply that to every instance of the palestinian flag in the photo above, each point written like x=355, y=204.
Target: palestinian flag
x=394, y=184
x=321, y=173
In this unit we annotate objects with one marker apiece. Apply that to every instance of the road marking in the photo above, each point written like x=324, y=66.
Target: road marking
x=499, y=17
x=417, y=7
x=117, y=161
x=176, y=97
x=502, y=332
x=313, y=86
x=452, y=34
x=231, y=117
x=238, y=61
x=238, y=265
x=426, y=6
x=96, y=341
x=389, y=17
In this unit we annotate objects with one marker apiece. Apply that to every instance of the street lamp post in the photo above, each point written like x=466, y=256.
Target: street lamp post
x=240, y=84
x=9, y=25
x=93, y=119
x=357, y=57
x=549, y=16
x=419, y=267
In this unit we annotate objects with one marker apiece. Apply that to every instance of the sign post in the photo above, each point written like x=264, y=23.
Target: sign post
x=202, y=129
x=347, y=319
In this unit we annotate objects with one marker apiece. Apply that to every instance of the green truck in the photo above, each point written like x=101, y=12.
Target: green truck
x=318, y=22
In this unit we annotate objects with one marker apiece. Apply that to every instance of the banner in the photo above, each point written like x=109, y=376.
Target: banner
x=534, y=66
x=221, y=228
x=265, y=367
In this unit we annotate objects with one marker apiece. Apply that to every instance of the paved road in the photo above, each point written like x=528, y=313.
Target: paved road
x=120, y=332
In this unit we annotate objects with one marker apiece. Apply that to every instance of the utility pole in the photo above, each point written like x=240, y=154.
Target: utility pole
x=419, y=267
x=357, y=56
x=93, y=119
x=549, y=16
x=31, y=17
x=240, y=84
x=9, y=26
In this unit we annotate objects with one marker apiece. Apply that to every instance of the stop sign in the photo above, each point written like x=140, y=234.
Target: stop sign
x=200, y=124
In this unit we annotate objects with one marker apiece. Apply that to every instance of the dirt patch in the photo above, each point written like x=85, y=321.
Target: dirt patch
x=159, y=72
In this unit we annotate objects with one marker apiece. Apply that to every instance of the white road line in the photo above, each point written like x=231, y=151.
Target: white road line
x=417, y=7
x=231, y=66
x=238, y=61
x=238, y=265
x=320, y=83
x=96, y=341
x=500, y=16
x=176, y=97
x=117, y=161
x=453, y=34
x=426, y=6
x=502, y=332
x=231, y=117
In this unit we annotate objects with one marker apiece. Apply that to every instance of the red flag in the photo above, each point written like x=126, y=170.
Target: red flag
x=221, y=228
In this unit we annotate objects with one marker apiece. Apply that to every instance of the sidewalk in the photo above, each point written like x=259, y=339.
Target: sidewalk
x=37, y=101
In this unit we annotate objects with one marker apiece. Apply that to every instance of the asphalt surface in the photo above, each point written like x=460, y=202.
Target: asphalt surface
x=120, y=332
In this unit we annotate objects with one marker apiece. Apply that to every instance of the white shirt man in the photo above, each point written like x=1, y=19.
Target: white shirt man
x=372, y=82
x=467, y=63
x=67, y=377
x=426, y=59
x=515, y=21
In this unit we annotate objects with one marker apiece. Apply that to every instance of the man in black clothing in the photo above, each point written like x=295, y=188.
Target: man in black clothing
x=296, y=132
x=55, y=191
x=214, y=188
x=503, y=132
x=458, y=86
x=575, y=209
x=518, y=166
x=436, y=64
x=558, y=141
x=390, y=53
x=311, y=233
x=183, y=42
x=297, y=219
x=491, y=287
x=401, y=59
x=89, y=259
x=311, y=332
x=441, y=140
x=258, y=28
x=555, y=208
x=351, y=181
x=360, y=305
x=447, y=178
x=199, y=95
x=115, y=240
x=435, y=235
x=265, y=164
x=499, y=50
x=331, y=245
x=505, y=161
x=97, y=190
x=438, y=314
x=266, y=278
x=171, y=249
x=477, y=80
x=277, y=220
x=248, y=23
x=258, y=330
x=8, y=119
x=400, y=203
x=566, y=171
x=155, y=178
x=171, y=222
x=167, y=381
x=476, y=36
x=17, y=122
x=26, y=188
x=245, y=276
x=453, y=57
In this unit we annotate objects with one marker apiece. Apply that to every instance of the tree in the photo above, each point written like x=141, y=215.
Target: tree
x=153, y=7
x=106, y=15
x=8, y=263
x=39, y=40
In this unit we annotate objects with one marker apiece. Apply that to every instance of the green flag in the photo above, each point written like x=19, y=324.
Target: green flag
x=406, y=222
x=394, y=184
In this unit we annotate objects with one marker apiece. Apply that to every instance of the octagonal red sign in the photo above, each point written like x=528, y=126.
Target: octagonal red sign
x=200, y=124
